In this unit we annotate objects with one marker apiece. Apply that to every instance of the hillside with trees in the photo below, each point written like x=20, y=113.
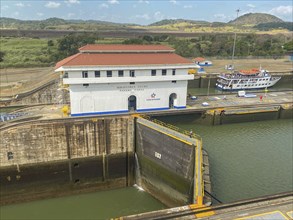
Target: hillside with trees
x=251, y=21
x=255, y=19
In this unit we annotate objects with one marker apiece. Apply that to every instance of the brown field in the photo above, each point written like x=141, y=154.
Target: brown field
x=15, y=81
x=272, y=65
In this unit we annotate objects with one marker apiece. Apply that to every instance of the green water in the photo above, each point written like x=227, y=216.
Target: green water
x=247, y=160
x=100, y=205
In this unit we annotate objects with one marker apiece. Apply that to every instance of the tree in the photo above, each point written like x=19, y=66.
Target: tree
x=2, y=54
x=288, y=46
x=69, y=44
x=50, y=43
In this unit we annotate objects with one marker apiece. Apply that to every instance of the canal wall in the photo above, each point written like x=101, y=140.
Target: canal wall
x=49, y=93
x=51, y=158
x=40, y=159
x=166, y=163
x=246, y=114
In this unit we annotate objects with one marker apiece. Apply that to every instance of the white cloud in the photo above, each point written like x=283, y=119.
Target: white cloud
x=104, y=5
x=187, y=6
x=173, y=2
x=72, y=1
x=52, y=5
x=40, y=14
x=144, y=16
x=112, y=2
x=21, y=5
x=144, y=1
x=16, y=14
x=250, y=5
x=159, y=16
x=5, y=7
x=70, y=15
x=282, y=10
x=220, y=17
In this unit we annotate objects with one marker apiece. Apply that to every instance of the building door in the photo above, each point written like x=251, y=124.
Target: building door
x=172, y=100
x=132, y=103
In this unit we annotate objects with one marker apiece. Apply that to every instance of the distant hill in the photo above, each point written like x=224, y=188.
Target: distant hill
x=176, y=21
x=255, y=19
x=252, y=21
x=275, y=25
x=55, y=23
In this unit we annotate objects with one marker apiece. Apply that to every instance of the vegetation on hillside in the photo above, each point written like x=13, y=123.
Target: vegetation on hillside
x=30, y=52
x=175, y=21
x=274, y=26
x=256, y=18
x=252, y=22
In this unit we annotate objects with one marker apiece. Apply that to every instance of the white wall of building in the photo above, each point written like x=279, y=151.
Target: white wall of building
x=138, y=72
x=113, y=98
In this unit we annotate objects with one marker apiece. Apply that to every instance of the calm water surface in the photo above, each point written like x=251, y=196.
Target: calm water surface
x=100, y=205
x=247, y=159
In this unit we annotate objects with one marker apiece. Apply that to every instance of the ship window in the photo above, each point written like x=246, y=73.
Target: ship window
x=154, y=72
x=173, y=72
x=84, y=74
x=85, y=85
x=97, y=74
x=164, y=72
x=109, y=73
x=120, y=73
x=174, y=81
x=131, y=83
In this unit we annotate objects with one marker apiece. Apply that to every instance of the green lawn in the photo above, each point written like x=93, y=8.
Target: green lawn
x=26, y=52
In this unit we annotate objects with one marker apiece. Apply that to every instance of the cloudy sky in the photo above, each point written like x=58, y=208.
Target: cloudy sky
x=142, y=11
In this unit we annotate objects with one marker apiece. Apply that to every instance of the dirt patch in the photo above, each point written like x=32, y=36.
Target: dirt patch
x=272, y=65
x=15, y=81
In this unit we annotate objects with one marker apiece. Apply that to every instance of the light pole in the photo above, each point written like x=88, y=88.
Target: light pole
x=234, y=44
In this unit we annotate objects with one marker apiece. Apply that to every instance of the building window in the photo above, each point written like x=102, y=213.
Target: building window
x=65, y=75
x=109, y=73
x=154, y=72
x=85, y=85
x=120, y=73
x=132, y=73
x=173, y=72
x=97, y=74
x=131, y=83
x=84, y=74
x=174, y=81
x=164, y=72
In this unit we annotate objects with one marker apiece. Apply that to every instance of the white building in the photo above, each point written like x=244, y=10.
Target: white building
x=107, y=79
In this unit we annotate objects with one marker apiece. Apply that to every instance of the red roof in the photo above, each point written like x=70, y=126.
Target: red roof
x=124, y=48
x=199, y=59
x=122, y=59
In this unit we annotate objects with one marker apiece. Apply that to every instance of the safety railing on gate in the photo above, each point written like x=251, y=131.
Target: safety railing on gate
x=172, y=127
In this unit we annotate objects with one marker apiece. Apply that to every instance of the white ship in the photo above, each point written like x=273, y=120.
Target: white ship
x=253, y=79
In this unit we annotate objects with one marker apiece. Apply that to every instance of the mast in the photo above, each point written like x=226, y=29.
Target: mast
x=234, y=44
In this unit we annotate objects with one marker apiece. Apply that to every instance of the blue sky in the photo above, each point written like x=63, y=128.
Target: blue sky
x=142, y=11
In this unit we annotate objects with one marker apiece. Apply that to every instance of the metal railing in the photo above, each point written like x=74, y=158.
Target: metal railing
x=172, y=127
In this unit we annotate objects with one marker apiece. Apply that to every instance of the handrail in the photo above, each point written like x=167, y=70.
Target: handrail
x=172, y=127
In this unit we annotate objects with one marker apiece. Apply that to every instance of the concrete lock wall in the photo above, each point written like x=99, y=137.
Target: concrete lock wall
x=166, y=164
x=249, y=114
x=55, y=157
